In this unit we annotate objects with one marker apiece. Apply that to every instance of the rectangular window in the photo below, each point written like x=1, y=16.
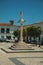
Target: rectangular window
x=8, y=37
x=7, y=30
x=2, y=37
x=2, y=30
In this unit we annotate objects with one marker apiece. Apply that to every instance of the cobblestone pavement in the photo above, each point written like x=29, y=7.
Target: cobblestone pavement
x=19, y=58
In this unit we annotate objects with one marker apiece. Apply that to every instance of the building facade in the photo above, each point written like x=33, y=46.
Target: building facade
x=6, y=30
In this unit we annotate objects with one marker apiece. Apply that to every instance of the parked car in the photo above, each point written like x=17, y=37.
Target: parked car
x=10, y=40
x=2, y=40
x=42, y=41
x=33, y=42
x=16, y=39
x=27, y=41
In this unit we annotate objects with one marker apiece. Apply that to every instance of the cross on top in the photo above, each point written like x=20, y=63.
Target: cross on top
x=21, y=14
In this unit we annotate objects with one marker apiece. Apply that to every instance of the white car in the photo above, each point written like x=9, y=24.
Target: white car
x=10, y=40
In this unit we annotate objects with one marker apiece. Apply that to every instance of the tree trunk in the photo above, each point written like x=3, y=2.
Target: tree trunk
x=39, y=41
x=30, y=39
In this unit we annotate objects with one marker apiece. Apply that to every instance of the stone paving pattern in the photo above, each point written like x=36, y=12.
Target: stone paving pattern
x=19, y=58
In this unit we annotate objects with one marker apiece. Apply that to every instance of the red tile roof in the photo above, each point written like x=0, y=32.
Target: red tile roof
x=5, y=24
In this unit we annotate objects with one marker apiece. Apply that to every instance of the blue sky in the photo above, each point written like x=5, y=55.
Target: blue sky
x=32, y=11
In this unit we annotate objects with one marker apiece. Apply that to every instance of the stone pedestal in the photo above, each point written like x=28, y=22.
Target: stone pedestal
x=20, y=45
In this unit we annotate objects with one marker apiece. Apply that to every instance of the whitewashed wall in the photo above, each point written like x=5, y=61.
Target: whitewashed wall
x=12, y=28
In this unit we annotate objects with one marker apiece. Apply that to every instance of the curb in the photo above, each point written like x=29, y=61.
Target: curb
x=21, y=51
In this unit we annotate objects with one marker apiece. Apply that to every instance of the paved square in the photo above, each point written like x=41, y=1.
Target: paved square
x=27, y=60
x=19, y=58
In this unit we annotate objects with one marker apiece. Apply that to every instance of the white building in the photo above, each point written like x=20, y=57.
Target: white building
x=7, y=29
